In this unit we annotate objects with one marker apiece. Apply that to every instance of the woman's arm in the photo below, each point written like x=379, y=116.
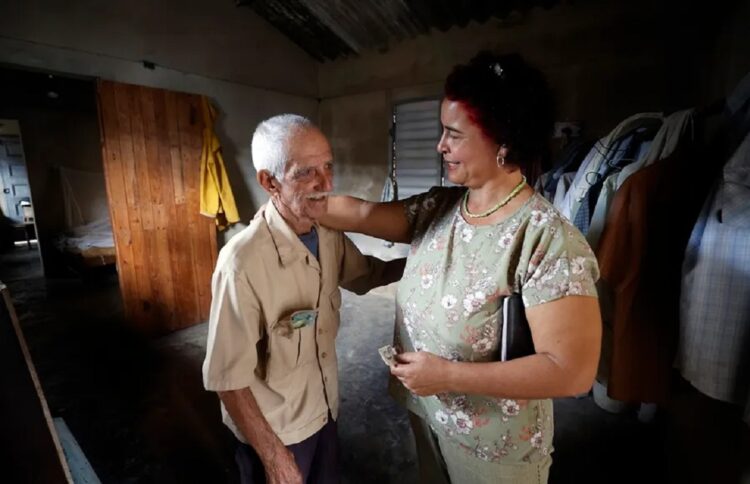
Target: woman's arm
x=567, y=338
x=384, y=220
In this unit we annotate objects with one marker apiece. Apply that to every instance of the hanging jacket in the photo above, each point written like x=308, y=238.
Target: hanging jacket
x=217, y=200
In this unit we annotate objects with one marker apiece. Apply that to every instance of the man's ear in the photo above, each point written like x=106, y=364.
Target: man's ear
x=268, y=182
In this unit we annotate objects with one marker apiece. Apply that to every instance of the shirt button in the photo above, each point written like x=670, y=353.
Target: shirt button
x=323, y=355
x=320, y=330
x=325, y=379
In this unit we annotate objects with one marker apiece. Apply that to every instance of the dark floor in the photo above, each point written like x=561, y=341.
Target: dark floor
x=139, y=412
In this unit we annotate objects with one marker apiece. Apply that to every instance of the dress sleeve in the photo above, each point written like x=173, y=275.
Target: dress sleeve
x=561, y=264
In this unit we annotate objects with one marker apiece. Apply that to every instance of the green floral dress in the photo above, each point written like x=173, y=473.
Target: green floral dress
x=448, y=301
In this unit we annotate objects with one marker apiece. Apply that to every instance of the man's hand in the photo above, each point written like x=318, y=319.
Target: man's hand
x=277, y=460
x=422, y=372
x=281, y=468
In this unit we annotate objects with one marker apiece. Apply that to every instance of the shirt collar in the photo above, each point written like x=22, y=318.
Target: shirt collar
x=287, y=242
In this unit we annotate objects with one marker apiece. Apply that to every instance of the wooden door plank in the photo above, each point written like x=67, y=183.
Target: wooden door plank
x=125, y=116
x=168, y=214
x=182, y=255
x=152, y=298
x=116, y=193
x=187, y=119
x=153, y=110
x=201, y=245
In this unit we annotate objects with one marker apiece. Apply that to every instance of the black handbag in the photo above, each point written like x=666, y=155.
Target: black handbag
x=515, y=333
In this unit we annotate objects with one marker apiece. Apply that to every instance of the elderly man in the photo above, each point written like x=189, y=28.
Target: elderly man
x=271, y=352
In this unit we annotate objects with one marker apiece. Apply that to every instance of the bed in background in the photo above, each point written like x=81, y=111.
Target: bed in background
x=88, y=241
x=92, y=244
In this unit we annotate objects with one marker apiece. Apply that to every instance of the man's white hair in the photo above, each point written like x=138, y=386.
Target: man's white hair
x=270, y=146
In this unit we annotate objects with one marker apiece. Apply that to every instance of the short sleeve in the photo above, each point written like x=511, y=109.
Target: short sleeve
x=423, y=208
x=233, y=331
x=561, y=264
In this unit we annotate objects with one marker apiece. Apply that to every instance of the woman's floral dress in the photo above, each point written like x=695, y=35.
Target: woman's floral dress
x=448, y=302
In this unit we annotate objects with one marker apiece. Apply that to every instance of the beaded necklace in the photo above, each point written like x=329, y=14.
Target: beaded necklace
x=497, y=207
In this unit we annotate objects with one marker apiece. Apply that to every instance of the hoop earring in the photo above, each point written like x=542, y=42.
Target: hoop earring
x=500, y=160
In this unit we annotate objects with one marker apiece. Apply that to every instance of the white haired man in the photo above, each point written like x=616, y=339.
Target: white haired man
x=271, y=352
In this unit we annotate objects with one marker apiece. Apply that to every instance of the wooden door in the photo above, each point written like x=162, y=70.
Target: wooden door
x=166, y=250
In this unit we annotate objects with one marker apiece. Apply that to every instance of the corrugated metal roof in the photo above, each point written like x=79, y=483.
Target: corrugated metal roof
x=329, y=29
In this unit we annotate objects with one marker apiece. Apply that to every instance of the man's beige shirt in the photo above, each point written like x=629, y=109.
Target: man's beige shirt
x=262, y=276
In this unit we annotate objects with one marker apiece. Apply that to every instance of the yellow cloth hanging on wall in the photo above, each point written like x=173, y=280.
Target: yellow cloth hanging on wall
x=217, y=200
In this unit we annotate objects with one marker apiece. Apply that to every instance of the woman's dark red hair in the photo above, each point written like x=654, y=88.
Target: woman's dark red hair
x=509, y=100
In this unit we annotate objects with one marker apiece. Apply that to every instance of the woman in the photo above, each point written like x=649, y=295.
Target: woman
x=486, y=420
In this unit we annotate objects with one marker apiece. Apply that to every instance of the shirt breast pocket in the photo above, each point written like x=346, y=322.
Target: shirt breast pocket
x=284, y=345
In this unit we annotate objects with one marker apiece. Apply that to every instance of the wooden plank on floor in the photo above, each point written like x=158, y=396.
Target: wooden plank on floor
x=80, y=468
x=31, y=449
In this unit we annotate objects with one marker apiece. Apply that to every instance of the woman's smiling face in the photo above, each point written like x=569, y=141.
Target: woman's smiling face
x=469, y=155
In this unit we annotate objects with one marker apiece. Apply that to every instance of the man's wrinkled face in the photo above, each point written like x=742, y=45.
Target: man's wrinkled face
x=308, y=177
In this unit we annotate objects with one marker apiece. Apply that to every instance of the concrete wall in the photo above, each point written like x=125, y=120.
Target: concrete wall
x=356, y=126
x=605, y=60
x=248, y=69
x=210, y=39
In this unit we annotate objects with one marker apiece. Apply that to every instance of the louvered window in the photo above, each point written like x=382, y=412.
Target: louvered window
x=416, y=134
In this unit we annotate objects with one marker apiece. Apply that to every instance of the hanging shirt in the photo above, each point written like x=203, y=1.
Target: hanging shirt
x=448, y=301
x=713, y=350
x=663, y=145
x=568, y=161
x=588, y=172
x=631, y=147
